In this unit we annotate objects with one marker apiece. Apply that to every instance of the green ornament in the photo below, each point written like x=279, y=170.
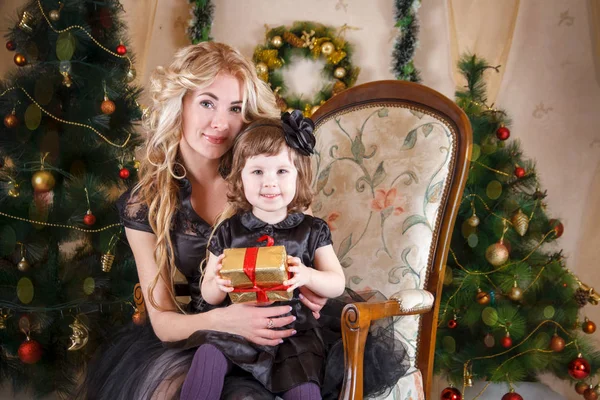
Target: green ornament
x=65, y=46
x=449, y=344
x=475, y=152
x=9, y=240
x=89, y=284
x=33, y=117
x=493, y=190
x=473, y=240
x=489, y=315
x=25, y=290
x=44, y=90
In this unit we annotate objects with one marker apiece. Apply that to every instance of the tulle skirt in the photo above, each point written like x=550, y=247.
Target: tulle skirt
x=136, y=365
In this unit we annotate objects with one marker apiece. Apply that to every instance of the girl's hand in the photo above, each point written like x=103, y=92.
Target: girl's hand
x=224, y=285
x=302, y=274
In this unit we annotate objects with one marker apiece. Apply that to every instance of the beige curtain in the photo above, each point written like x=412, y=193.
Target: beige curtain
x=594, y=15
x=484, y=28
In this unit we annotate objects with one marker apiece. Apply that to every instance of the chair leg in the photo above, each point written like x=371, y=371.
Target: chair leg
x=355, y=328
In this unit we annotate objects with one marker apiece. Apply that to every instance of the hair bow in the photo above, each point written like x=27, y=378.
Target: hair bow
x=298, y=132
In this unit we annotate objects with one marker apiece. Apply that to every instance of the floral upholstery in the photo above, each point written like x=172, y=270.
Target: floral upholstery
x=380, y=175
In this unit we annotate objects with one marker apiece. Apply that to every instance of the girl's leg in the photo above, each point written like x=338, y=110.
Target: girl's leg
x=205, y=378
x=305, y=391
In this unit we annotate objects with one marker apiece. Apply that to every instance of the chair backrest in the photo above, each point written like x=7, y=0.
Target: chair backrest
x=389, y=172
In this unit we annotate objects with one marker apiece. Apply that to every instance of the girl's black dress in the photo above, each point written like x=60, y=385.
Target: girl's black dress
x=136, y=365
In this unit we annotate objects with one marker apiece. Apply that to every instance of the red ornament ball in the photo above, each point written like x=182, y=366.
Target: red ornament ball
x=89, y=219
x=451, y=393
x=30, y=351
x=519, y=172
x=590, y=394
x=121, y=50
x=579, y=368
x=452, y=324
x=503, y=133
x=512, y=396
x=11, y=46
x=558, y=227
x=506, y=342
x=107, y=106
x=124, y=173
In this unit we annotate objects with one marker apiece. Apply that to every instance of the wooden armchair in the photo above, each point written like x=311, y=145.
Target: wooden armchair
x=390, y=168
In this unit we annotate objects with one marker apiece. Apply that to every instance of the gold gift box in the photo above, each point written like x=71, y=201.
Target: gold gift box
x=270, y=271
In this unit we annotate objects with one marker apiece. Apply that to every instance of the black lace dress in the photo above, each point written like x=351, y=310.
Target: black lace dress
x=136, y=365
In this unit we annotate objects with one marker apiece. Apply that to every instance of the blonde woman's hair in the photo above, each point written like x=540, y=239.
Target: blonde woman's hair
x=193, y=68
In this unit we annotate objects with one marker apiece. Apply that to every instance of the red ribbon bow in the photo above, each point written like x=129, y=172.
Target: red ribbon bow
x=250, y=270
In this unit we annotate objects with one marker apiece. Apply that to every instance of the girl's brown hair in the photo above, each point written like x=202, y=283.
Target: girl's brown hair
x=265, y=137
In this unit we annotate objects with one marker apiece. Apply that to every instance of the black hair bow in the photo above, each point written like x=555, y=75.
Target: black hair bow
x=298, y=132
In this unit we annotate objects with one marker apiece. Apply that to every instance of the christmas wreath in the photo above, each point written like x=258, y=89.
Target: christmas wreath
x=311, y=41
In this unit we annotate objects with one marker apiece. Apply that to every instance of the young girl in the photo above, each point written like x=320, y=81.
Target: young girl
x=269, y=190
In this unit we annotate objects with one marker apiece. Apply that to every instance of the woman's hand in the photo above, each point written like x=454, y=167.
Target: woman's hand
x=302, y=274
x=255, y=323
x=313, y=301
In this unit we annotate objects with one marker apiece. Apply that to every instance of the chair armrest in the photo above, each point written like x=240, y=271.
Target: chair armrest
x=356, y=320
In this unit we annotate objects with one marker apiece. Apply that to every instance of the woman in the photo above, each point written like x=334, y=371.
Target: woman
x=200, y=103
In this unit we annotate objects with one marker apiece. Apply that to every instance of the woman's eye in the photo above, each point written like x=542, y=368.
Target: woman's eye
x=282, y=171
x=257, y=172
x=207, y=104
x=236, y=109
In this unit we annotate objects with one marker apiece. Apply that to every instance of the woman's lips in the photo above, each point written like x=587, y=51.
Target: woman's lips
x=214, y=139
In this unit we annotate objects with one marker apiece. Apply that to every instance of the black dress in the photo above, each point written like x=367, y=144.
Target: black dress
x=136, y=365
x=301, y=357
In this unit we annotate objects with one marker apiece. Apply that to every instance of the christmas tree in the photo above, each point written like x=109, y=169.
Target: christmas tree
x=66, y=153
x=510, y=308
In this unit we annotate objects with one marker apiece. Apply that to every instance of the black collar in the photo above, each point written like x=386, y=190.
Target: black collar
x=251, y=222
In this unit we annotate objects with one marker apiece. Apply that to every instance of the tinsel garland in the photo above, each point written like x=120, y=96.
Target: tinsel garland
x=201, y=22
x=406, y=42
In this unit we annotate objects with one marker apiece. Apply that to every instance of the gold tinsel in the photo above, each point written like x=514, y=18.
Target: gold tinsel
x=338, y=87
x=292, y=39
x=307, y=110
x=336, y=57
x=269, y=57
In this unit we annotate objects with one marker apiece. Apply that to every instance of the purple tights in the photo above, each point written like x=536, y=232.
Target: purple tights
x=207, y=373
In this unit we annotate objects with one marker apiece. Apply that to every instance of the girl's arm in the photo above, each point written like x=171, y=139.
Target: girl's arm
x=326, y=279
x=214, y=289
x=170, y=325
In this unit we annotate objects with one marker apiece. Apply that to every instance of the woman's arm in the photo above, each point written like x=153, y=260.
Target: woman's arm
x=326, y=279
x=170, y=325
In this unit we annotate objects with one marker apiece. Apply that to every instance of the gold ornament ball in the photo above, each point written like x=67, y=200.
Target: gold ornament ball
x=131, y=75
x=14, y=191
x=473, y=220
x=557, y=344
x=23, y=265
x=11, y=121
x=339, y=72
x=20, y=59
x=42, y=181
x=588, y=326
x=496, y=254
x=580, y=387
x=327, y=48
x=482, y=298
x=277, y=41
x=54, y=15
x=108, y=107
x=138, y=318
x=515, y=293
x=261, y=68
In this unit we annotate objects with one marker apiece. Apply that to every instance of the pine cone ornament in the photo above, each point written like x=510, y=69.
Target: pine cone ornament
x=581, y=297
